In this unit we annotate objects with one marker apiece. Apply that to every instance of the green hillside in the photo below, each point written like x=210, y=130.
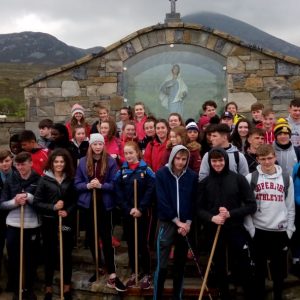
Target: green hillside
x=11, y=93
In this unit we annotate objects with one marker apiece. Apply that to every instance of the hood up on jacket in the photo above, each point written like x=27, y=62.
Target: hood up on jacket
x=226, y=158
x=173, y=153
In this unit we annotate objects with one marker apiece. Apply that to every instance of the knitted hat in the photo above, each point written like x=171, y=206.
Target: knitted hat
x=192, y=126
x=77, y=108
x=282, y=125
x=96, y=137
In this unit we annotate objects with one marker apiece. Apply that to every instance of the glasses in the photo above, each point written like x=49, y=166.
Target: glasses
x=123, y=114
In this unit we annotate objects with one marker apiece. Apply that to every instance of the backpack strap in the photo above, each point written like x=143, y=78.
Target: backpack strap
x=237, y=160
x=254, y=179
x=297, y=151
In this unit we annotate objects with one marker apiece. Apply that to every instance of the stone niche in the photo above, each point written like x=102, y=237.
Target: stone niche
x=251, y=74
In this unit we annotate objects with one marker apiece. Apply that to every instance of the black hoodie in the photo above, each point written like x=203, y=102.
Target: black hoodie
x=225, y=189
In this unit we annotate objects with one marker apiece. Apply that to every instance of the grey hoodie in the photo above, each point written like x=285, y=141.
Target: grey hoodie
x=241, y=169
x=286, y=158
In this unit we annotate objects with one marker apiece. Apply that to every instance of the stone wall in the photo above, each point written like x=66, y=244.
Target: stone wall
x=253, y=74
x=8, y=127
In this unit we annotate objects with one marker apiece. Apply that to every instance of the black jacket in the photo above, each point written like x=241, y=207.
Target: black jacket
x=49, y=191
x=226, y=189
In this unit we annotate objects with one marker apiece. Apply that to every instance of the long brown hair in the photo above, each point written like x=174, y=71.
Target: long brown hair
x=179, y=131
x=90, y=167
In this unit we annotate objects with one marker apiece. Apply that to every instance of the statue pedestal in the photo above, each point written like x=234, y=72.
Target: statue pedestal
x=172, y=17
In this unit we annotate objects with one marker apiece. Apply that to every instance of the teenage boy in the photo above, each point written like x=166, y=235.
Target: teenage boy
x=6, y=169
x=176, y=188
x=209, y=110
x=287, y=155
x=44, y=139
x=227, y=118
x=225, y=198
x=268, y=123
x=256, y=112
x=18, y=191
x=255, y=139
x=272, y=225
x=294, y=121
x=220, y=134
x=39, y=155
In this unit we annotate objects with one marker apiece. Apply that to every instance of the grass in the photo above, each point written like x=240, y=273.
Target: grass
x=12, y=74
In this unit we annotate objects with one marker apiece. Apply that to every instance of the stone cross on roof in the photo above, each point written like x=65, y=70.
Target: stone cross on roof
x=173, y=16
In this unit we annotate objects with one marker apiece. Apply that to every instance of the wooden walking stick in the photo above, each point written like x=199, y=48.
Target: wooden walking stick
x=21, y=252
x=96, y=233
x=209, y=262
x=61, y=258
x=136, y=254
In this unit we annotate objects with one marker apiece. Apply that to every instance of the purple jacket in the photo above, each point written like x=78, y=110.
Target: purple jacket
x=82, y=179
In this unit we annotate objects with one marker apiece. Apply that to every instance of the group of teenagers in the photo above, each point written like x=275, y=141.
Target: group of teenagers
x=226, y=172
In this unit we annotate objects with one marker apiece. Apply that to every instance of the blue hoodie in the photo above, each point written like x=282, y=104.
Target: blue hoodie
x=175, y=194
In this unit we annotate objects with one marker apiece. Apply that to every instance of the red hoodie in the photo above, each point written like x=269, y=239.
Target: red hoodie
x=154, y=153
x=112, y=146
x=139, y=128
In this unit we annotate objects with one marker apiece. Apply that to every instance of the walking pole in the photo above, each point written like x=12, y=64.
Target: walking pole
x=136, y=234
x=61, y=258
x=96, y=233
x=21, y=252
x=197, y=264
x=209, y=261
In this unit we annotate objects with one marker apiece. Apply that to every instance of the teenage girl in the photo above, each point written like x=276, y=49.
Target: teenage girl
x=96, y=172
x=54, y=197
x=77, y=118
x=134, y=168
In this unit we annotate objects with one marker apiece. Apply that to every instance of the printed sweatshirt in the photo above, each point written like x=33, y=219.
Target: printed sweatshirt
x=274, y=211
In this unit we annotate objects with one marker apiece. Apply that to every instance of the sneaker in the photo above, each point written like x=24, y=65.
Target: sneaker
x=190, y=254
x=131, y=281
x=116, y=283
x=145, y=282
x=115, y=242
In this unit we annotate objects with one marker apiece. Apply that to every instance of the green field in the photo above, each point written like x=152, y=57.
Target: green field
x=11, y=93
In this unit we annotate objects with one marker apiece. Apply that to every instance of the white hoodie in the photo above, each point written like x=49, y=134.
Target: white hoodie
x=274, y=212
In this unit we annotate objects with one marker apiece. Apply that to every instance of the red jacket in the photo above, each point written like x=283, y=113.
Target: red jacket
x=154, y=153
x=139, y=128
x=39, y=158
x=269, y=135
x=112, y=146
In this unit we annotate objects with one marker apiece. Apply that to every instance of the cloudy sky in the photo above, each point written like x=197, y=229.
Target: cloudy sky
x=90, y=23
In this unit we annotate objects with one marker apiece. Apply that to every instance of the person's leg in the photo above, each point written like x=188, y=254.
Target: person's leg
x=165, y=238
x=180, y=253
x=128, y=224
x=278, y=258
x=261, y=246
x=50, y=242
x=13, y=251
x=144, y=253
x=241, y=260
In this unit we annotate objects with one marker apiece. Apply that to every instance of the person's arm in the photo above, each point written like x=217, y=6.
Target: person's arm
x=121, y=194
x=40, y=199
x=249, y=205
x=6, y=202
x=243, y=165
x=202, y=207
x=111, y=173
x=290, y=205
x=149, y=190
x=204, y=168
x=81, y=179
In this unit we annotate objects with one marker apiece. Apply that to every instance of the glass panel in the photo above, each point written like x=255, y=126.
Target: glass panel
x=175, y=79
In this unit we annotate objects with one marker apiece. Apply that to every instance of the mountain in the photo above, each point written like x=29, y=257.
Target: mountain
x=245, y=32
x=38, y=48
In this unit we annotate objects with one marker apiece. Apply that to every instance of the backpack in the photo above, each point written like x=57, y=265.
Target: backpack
x=285, y=177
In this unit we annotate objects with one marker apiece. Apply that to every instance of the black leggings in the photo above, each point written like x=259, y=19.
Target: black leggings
x=104, y=222
x=50, y=237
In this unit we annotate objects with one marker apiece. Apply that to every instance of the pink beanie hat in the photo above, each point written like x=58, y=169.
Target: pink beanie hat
x=77, y=108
